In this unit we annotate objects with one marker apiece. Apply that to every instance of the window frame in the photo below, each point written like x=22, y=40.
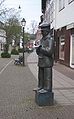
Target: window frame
x=70, y=1
x=61, y=4
x=61, y=46
x=52, y=12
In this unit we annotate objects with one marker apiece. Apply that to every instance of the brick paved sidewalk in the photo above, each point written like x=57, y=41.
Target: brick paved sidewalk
x=67, y=71
x=63, y=86
x=17, y=98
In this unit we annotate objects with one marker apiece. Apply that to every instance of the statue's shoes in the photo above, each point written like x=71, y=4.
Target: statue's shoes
x=35, y=89
x=42, y=91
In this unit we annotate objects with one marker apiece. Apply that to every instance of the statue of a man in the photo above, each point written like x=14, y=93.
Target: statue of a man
x=45, y=59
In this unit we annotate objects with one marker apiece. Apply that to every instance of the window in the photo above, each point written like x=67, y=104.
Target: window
x=61, y=47
x=69, y=1
x=61, y=4
x=72, y=49
x=51, y=11
x=47, y=4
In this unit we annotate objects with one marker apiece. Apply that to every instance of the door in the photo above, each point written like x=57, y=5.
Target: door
x=72, y=51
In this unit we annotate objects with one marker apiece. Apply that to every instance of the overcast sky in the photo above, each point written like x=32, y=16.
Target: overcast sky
x=30, y=9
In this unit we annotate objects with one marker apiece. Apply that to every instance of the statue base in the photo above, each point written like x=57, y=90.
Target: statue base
x=44, y=98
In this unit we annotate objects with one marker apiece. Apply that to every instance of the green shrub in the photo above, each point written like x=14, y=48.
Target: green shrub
x=6, y=47
x=5, y=55
x=14, y=52
x=20, y=50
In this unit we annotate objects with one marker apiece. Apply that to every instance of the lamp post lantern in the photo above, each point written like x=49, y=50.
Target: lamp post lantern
x=23, y=23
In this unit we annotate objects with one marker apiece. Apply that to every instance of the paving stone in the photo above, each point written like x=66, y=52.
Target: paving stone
x=17, y=98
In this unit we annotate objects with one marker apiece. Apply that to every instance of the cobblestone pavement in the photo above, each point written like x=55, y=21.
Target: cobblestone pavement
x=17, y=98
x=67, y=71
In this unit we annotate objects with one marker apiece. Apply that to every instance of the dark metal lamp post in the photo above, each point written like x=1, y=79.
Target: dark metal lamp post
x=23, y=23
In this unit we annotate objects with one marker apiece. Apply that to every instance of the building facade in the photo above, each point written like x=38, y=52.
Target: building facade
x=60, y=15
x=2, y=36
x=64, y=30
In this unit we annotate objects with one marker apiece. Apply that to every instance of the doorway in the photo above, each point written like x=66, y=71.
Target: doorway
x=72, y=51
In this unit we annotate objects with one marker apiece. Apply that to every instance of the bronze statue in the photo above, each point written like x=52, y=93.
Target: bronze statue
x=45, y=54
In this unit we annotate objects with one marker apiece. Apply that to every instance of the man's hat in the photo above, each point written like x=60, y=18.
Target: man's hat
x=44, y=24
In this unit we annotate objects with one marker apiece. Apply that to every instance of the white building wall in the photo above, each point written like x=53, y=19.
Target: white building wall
x=65, y=16
x=47, y=12
x=2, y=36
x=52, y=22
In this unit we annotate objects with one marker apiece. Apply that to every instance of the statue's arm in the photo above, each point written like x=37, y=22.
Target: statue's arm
x=38, y=50
x=49, y=50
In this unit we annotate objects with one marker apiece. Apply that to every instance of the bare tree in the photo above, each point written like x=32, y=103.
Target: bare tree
x=33, y=26
x=6, y=13
x=3, y=9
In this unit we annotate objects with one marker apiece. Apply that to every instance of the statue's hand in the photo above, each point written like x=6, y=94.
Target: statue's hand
x=38, y=50
x=40, y=46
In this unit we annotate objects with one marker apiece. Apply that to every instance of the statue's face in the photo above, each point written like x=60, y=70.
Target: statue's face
x=44, y=31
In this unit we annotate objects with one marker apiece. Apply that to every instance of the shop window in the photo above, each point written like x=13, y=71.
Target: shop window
x=61, y=48
x=72, y=49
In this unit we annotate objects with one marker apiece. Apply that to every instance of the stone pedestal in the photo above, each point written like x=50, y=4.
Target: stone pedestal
x=44, y=98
